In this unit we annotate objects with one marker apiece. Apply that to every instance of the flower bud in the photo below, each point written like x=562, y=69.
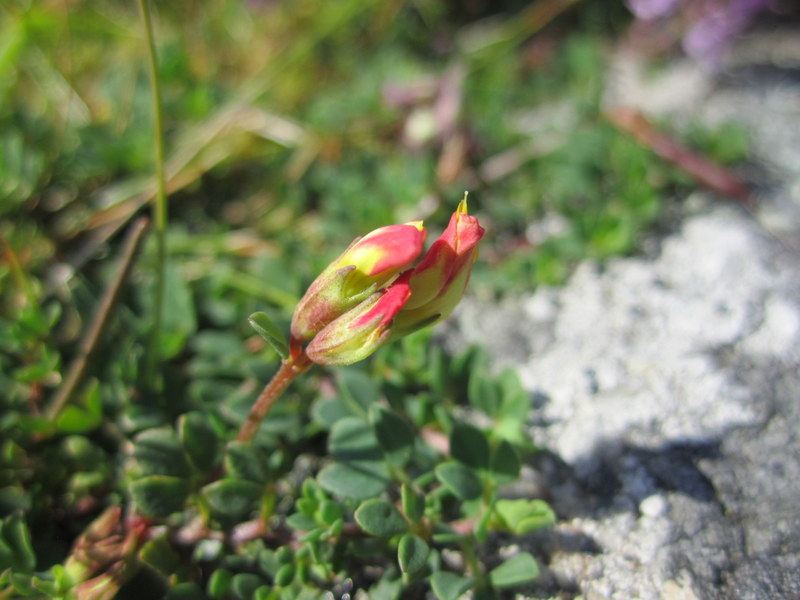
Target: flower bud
x=361, y=330
x=438, y=281
x=368, y=265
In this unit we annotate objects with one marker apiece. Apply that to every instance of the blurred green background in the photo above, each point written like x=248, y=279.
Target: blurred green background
x=294, y=126
x=291, y=127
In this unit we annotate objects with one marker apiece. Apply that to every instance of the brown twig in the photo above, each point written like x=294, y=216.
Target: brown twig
x=701, y=169
x=80, y=364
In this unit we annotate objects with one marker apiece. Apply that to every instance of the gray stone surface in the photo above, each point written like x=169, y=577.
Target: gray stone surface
x=667, y=392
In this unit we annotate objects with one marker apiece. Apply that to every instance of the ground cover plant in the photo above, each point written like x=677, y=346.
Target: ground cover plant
x=135, y=342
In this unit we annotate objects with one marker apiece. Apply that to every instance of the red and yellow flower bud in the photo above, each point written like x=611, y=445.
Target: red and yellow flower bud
x=361, y=330
x=439, y=280
x=368, y=265
x=372, y=293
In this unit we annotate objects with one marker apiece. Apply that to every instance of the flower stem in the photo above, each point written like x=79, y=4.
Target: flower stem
x=160, y=205
x=289, y=370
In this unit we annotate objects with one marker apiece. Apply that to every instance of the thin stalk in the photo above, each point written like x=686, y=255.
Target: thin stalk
x=80, y=365
x=289, y=370
x=160, y=205
x=17, y=271
x=474, y=564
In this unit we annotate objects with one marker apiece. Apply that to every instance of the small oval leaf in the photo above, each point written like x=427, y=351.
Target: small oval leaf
x=159, y=496
x=412, y=553
x=505, y=465
x=450, y=586
x=232, y=500
x=523, y=516
x=200, y=440
x=469, y=446
x=394, y=434
x=356, y=480
x=413, y=503
x=381, y=518
x=245, y=460
x=459, y=479
x=267, y=329
x=518, y=569
x=158, y=452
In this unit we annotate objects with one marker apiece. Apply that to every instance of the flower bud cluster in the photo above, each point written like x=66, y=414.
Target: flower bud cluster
x=373, y=292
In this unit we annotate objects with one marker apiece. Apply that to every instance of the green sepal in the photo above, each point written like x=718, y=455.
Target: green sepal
x=267, y=329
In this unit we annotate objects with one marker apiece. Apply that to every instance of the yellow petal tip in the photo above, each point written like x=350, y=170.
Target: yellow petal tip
x=462, y=206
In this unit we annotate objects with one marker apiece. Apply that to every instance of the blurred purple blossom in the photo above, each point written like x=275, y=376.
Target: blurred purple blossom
x=652, y=9
x=708, y=26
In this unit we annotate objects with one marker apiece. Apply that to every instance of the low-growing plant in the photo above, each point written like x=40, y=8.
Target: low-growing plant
x=381, y=482
x=141, y=455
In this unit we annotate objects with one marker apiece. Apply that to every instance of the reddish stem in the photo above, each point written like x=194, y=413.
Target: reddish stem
x=290, y=369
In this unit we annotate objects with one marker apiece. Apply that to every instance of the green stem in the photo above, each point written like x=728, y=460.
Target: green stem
x=289, y=370
x=160, y=206
x=474, y=564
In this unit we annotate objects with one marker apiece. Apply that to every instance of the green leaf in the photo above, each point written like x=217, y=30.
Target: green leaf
x=386, y=589
x=380, y=518
x=469, y=446
x=244, y=585
x=329, y=512
x=516, y=402
x=460, y=480
x=219, y=583
x=412, y=553
x=285, y=575
x=232, y=500
x=74, y=419
x=394, y=434
x=159, y=496
x=301, y=522
x=186, y=590
x=484, y=393
x=179, y=318
x=357, y=389
x=160, y=556
x=77, y=419
x=450, y=586
x=16, y=548
x=522, y=516
x=327, y=411
x=246, y=460
x=271, y=333
x=517, y=570
x=413, y=503
x=158, y=452
x=352, y=439
x=200, y=440
x=505, y=465
x=356, y=480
